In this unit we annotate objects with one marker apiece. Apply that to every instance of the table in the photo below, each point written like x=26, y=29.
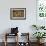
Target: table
x=27, y=37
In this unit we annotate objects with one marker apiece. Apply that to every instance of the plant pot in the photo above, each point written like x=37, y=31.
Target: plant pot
x=42, y=40
x=38, y=40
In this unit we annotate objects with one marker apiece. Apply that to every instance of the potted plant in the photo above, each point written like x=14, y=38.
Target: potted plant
x=38, y=27
x=39, y=35
x=35, y=26
x=42, y=27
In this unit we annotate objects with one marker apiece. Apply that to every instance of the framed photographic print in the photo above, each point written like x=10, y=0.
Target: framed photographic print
x=41, y=8
x=41, y=12
x=17, y=13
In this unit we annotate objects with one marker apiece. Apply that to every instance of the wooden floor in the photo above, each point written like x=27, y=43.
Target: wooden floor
x=13, y=44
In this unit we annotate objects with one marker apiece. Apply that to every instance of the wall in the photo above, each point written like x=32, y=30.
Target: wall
x=24, y=25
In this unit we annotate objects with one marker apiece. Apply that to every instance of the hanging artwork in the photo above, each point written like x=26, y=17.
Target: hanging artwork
x=41, y=12
x=17, y=13
x=41, y=8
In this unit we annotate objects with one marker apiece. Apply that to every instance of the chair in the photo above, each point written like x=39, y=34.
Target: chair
x=14, y=32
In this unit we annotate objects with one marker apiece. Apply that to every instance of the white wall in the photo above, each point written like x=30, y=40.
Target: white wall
x=24, y=25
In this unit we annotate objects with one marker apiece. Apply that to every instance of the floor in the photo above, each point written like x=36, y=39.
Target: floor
x=13, y=44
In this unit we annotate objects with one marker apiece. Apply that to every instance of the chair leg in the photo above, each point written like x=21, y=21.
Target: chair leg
x=5, y=40
x=5, y=43
x=17, y=39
